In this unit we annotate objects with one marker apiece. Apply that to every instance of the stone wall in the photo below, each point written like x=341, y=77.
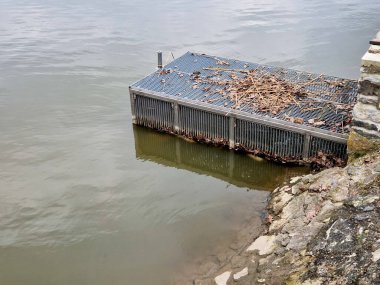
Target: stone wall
x=366, y=113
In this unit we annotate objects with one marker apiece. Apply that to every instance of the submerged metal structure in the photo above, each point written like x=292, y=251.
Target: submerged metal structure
x=169, y=100
x=239, y=170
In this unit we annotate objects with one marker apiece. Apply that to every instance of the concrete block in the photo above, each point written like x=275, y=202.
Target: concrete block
x=365, y=112
x=366, y=99
x=367, y=133
x=366, y=124
x=371, y=61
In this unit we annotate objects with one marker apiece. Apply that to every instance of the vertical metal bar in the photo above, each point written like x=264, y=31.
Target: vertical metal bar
x=231, y=132
x=176, y=117
x=133, y=102
x=306, y=144
x=159, y=59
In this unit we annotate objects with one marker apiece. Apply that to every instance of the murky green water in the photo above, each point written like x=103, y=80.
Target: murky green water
x=85, y=198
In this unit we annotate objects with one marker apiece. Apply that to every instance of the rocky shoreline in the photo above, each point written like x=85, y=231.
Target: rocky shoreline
x=321, y=229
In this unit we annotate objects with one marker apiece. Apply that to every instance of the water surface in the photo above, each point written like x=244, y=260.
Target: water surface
x=85, y=198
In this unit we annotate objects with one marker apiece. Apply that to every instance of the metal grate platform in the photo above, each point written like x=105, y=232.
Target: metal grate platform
x=170, y=100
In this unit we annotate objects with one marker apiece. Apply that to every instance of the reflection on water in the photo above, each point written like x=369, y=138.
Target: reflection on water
x=237, y=169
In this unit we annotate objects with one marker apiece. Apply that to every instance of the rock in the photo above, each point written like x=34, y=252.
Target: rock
x=280, y=201
x=358, y=145
x=376, y=255
x=296, y=189
x=264, y=244
x=283, y=239
x=294, y=208
x=377, y=168
x=297, y=242
x=238, y=261
x=307, y=178
x=296, y=179
x=261, y=280
x=294, y=226
x=223, y=278
x=339, y=194
x=241, y=273
x=318, y=281
x=362, y=201
x=362, y=217
x=367, y=99
x=325, y=212
x=277, y=225
x=352, y=170
x=368, y=208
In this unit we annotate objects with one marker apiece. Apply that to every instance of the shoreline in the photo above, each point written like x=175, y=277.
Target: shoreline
x=320, y=228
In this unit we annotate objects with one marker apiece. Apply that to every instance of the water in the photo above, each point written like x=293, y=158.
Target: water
x=85, y=198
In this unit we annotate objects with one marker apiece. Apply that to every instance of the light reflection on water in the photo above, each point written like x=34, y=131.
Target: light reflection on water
x=82, y=201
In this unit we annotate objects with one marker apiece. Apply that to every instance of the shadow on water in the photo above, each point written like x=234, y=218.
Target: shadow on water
x=238, y=169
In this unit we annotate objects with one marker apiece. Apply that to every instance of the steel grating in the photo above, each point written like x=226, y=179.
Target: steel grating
x=168, y=100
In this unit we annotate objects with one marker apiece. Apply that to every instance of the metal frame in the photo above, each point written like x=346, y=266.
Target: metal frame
x=307, y=131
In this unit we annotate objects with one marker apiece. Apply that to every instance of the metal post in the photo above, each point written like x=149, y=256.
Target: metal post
x=176, y=116
x=231, y=132
x=133, y=108
x=306, y=145
x=159, y=59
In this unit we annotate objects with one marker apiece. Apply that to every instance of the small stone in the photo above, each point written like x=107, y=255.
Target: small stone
x=376, y=255
x=281, y=201
x=261, y=280
x=362, y=217
x=377, y=168
x=361, y=201
x=318, y=281
x=296, y=179
x=352, y=170
x=222, y=278
x=264, y=244
x=296, y=190
x=368, y=208
x=241, y=273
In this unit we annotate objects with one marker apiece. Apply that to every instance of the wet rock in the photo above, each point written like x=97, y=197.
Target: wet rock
x=222, y=278
x=238, y=261
x=325, y=229
x=296, y=179
x=264, y=245
x=240, y=274
x=277, y=225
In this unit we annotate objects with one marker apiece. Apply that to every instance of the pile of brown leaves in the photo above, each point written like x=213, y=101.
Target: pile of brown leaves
x=262, y=92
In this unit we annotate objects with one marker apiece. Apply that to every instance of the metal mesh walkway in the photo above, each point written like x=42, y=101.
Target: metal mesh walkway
x=188, y=97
